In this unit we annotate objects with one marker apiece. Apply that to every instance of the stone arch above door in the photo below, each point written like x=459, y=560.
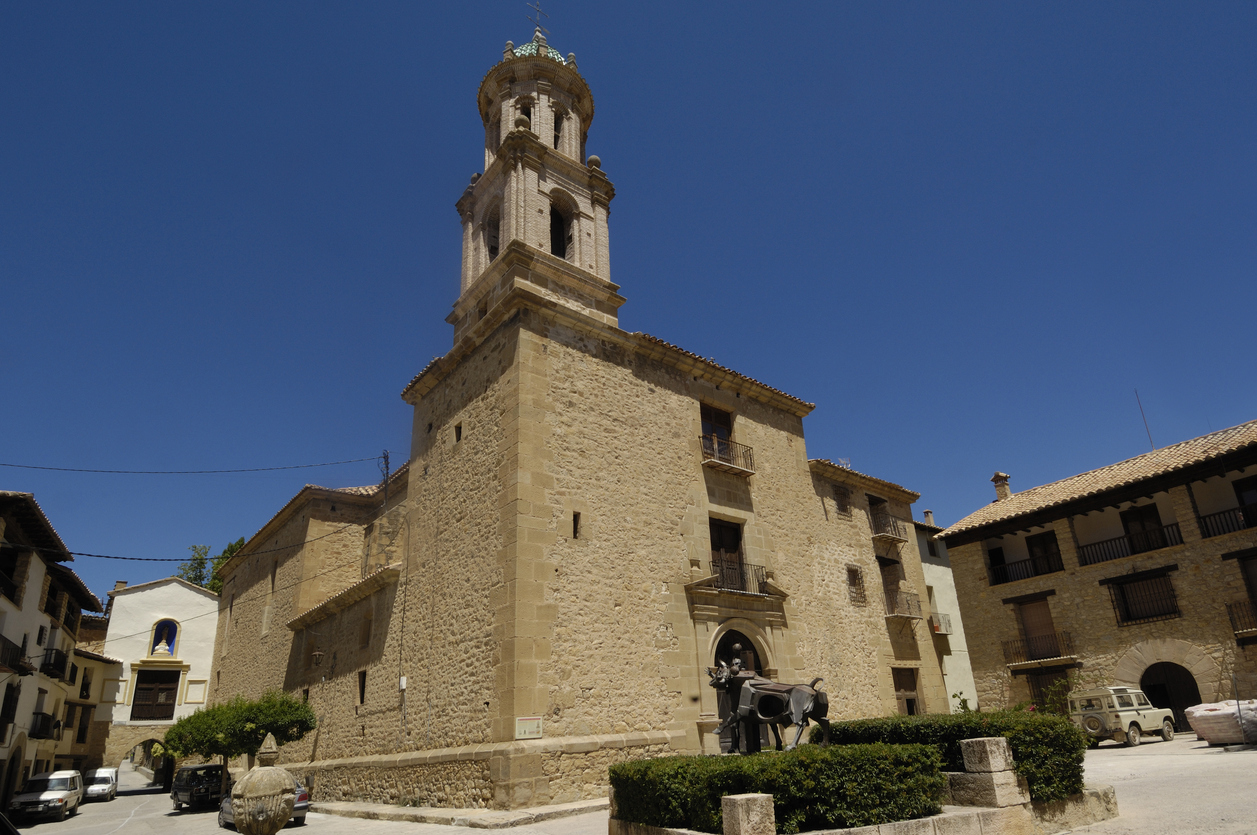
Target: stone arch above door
x=751, y=630
x=1130, y=668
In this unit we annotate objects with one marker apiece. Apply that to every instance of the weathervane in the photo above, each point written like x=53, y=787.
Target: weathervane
x=536, y=7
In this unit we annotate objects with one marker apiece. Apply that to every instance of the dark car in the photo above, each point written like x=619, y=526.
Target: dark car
x=197, y=785
x=228, y=821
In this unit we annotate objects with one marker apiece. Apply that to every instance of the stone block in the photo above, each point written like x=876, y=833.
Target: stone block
x=1014, y=820
x=988, y=753
x=965, y=822
x=748, y=814
x=920, y=826
x=992, y=788
x=1092, y=805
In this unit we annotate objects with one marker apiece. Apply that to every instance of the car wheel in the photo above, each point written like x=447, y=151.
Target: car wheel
x=1167, y=730
x=222, y=821
x=301, y=821
x=61, y=813
x=1132, y=736
x=178, y=806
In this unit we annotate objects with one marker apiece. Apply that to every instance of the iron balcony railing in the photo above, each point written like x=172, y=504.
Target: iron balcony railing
x=886, y=525
x=903, y=604
x=724, y=454
x=41, y=726
x=1022, y=569
x=71, y=621
x=8, y=586
x=1229, y=521
x=940, y=623
x=1243, y=617
x=11, y=656
x=740, y=576
x=1054, y=645
x=54, y=665
x=1135, y=543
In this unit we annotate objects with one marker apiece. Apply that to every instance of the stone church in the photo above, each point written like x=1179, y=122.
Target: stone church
x=589, y=520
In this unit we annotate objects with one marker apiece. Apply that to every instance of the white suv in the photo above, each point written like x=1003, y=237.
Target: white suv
x=49, y=795
x=1119, y=713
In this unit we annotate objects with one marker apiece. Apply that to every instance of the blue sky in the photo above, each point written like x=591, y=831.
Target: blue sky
x=967, y=232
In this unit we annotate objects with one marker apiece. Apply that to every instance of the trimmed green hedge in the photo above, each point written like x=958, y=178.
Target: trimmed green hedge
x=1047, y=750
x=812, y=787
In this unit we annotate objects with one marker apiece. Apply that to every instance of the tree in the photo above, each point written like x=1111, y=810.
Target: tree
x=196, y=570
x=240, y=726
x=202, y=570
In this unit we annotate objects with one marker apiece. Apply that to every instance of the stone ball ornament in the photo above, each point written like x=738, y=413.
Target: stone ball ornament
x=522, y=122
x=263, y=800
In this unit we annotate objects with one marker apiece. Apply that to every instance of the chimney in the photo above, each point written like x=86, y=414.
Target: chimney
x=1002, y=490
x=929, y=518
x=119, y=584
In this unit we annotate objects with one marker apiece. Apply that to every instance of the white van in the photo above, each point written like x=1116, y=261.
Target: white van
x=101, y=784
x=55, y=794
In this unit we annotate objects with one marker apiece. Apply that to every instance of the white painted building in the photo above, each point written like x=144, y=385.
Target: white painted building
x=163, y=632
x=949, y=632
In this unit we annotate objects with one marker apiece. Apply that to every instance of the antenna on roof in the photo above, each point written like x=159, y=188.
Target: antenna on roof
x=1145, y=417
x=845, y=463
x=536, y=7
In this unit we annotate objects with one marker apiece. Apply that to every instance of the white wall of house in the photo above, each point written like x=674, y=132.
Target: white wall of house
x=136, y=613
x=952, y=650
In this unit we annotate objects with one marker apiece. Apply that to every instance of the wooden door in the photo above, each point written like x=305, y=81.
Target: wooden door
x=1040, y=632
x=726, y=555
x=1143, y=527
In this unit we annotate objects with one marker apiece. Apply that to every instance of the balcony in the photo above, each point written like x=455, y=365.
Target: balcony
x=739, y=576
x=1243, y=620
x=1032, y=652
x=903, y=604
x=887, y=527
x=1023, y=569
x=54, y=665
x=941, y=624
x=11, y=658
x=1125, y=546
x=41, y=726
x=1229, y=521
x=725, y=455
x=8, y=587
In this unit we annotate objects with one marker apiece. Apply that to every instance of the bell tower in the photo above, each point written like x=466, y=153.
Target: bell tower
x=535, y=222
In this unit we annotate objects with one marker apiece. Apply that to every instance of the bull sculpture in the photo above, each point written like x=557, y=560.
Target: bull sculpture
x=755, y=700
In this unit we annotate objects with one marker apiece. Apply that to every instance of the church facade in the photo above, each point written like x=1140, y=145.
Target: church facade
x=588, y=521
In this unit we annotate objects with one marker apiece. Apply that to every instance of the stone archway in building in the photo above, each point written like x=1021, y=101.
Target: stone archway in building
x=1202, y=667
x=754, y=653
x=1170, y=685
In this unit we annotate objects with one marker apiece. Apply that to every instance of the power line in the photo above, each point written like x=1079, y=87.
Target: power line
x=175, y=559
x=189, y=472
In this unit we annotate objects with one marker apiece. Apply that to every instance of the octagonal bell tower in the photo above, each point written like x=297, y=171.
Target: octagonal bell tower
x=535, y=222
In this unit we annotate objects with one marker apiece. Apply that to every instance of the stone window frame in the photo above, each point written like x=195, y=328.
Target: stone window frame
x=856, y=592
x=842, y=500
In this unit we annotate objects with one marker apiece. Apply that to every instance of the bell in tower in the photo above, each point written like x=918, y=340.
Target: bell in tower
x=536, y=221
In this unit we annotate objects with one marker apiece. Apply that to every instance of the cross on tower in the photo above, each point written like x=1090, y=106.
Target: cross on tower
x=536, y=7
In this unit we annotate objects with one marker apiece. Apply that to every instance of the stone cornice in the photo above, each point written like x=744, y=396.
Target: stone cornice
x=345, y=598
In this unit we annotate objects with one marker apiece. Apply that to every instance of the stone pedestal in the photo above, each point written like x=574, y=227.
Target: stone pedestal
x=748, y=814
x=988, y=778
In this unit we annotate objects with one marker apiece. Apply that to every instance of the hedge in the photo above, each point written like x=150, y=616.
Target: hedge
x=1047, y=750
x=812, y=787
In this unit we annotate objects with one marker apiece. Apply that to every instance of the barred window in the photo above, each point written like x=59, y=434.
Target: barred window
x=842, y=500
x=1142, y=601
x=855, y=585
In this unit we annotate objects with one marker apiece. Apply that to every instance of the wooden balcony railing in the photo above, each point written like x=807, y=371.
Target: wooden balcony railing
x=54, y=665
x=1055, y=645
x=903, y=604
x=41, y=726
x=940, y=623
x=11, y=657
x=740, y=576
x=1124, y=546
x=1229, y=521
x=1243, y=618
x=885, y=525
x=723, y=454
x=1022, y=569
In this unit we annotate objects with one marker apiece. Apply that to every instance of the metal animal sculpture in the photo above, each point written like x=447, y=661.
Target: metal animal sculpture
x=761, y=701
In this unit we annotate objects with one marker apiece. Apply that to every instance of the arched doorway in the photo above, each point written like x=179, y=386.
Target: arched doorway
x=1169, y=685
x=735, y=644
x=12, y=773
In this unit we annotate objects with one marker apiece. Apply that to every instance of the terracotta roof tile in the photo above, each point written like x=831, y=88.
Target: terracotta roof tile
x=1140, y=468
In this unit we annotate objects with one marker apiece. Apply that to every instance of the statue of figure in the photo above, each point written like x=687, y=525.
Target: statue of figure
x=755, y=700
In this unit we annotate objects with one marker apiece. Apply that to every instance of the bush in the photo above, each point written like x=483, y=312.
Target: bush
x=812, y=787
x=1047, y=750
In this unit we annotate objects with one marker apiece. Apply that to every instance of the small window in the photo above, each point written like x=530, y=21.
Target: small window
x=576, y=525
x=559, y=118
x=842, y=500
x=525, y=109
x=305, y=695
x=1124, y=701
x=362, y=687
x=855, y=585
x=41, y=636
x=1142, y=700
x=1143, y=601
x=458, y=432
x=931, y=547
x=492, y=233
x=74, y=673
x=560, y=233
x=364, y=633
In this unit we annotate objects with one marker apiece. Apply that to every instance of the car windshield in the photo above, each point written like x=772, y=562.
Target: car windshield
x=101, y=781
x=54, y=784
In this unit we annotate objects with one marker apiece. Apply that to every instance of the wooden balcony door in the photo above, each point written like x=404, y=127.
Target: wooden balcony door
x=1040, y=632
x=155, y=694
x=1143, y=527
x=726, y=554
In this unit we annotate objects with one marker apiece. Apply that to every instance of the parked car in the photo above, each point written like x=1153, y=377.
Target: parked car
x=52, y=794
x=1120, y=713
x=197, y=785
x=101, y=784
x=227, y=820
